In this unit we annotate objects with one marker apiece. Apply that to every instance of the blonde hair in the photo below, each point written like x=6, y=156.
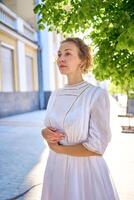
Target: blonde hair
x=84, y=53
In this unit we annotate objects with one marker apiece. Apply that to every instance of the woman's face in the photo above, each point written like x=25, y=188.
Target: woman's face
x=68, y=59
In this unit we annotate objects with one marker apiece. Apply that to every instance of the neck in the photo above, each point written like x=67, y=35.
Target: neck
x=74, y=79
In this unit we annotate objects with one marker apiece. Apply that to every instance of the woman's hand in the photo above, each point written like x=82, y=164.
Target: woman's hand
x=51, y=135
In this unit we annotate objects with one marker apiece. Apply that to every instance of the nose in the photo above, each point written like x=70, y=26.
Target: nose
x=61, y=59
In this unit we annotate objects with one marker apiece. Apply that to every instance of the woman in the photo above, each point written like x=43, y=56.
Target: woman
x=77, y=132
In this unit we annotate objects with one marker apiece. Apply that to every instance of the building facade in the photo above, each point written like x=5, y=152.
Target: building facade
x=18, y=64
x=28, y=70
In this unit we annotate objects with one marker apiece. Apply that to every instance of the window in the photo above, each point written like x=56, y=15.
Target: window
x=29, y=72
x=7, y=72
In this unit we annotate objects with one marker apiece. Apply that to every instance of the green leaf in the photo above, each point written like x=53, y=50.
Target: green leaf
x=37, y=8
x=41, y=27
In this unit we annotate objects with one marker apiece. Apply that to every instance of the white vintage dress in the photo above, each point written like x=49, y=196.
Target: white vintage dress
x=81, y=111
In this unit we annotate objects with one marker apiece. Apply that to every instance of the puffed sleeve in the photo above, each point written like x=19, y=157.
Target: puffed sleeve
x=99, y=132
x=49, y=105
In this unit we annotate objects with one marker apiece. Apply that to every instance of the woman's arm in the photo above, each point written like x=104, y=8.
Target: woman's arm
x=53, y=137
x=73, y=150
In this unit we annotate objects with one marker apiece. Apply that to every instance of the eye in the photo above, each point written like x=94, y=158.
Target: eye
x=59, y=55
x=67, y=53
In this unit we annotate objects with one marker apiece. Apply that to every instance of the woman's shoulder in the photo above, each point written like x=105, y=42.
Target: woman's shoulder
x=97, y=94
x=102, y=92
x=99, y=90
x=54, y=92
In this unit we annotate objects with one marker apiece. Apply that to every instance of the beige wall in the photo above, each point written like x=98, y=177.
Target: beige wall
x=8, y=39
x=33, y=53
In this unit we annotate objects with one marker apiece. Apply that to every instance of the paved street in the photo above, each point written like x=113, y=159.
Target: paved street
x=23, y=156
x=22, y=159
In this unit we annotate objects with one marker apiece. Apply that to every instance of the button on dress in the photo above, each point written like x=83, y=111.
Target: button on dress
x=81, y=112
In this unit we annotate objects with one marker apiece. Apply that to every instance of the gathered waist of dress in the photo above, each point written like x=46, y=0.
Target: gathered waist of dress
x=65, y=157
x=68, y=143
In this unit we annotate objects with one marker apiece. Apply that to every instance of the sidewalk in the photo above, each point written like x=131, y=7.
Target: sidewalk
x=23, y=156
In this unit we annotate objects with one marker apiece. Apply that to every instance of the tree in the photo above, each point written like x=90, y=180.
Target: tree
x=110, y=25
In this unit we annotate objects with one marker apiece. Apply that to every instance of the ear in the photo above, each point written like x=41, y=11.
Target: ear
x=82, y=63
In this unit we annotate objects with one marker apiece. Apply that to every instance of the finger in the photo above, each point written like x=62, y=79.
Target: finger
x=53, y=141
x=48, y=134
x=55, y=130
x=54, y=138
x=59, y=134
x=52, y=128
x=42, y=131
x=55, y=134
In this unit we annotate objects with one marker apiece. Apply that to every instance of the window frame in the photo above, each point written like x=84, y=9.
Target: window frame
x=10, y=47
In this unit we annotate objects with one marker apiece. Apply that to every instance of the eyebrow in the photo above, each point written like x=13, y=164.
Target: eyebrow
x=65, y=50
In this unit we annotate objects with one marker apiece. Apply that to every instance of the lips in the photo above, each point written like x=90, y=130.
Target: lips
x=62, y=66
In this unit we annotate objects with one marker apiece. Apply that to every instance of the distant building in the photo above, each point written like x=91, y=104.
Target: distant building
x=28, y=72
